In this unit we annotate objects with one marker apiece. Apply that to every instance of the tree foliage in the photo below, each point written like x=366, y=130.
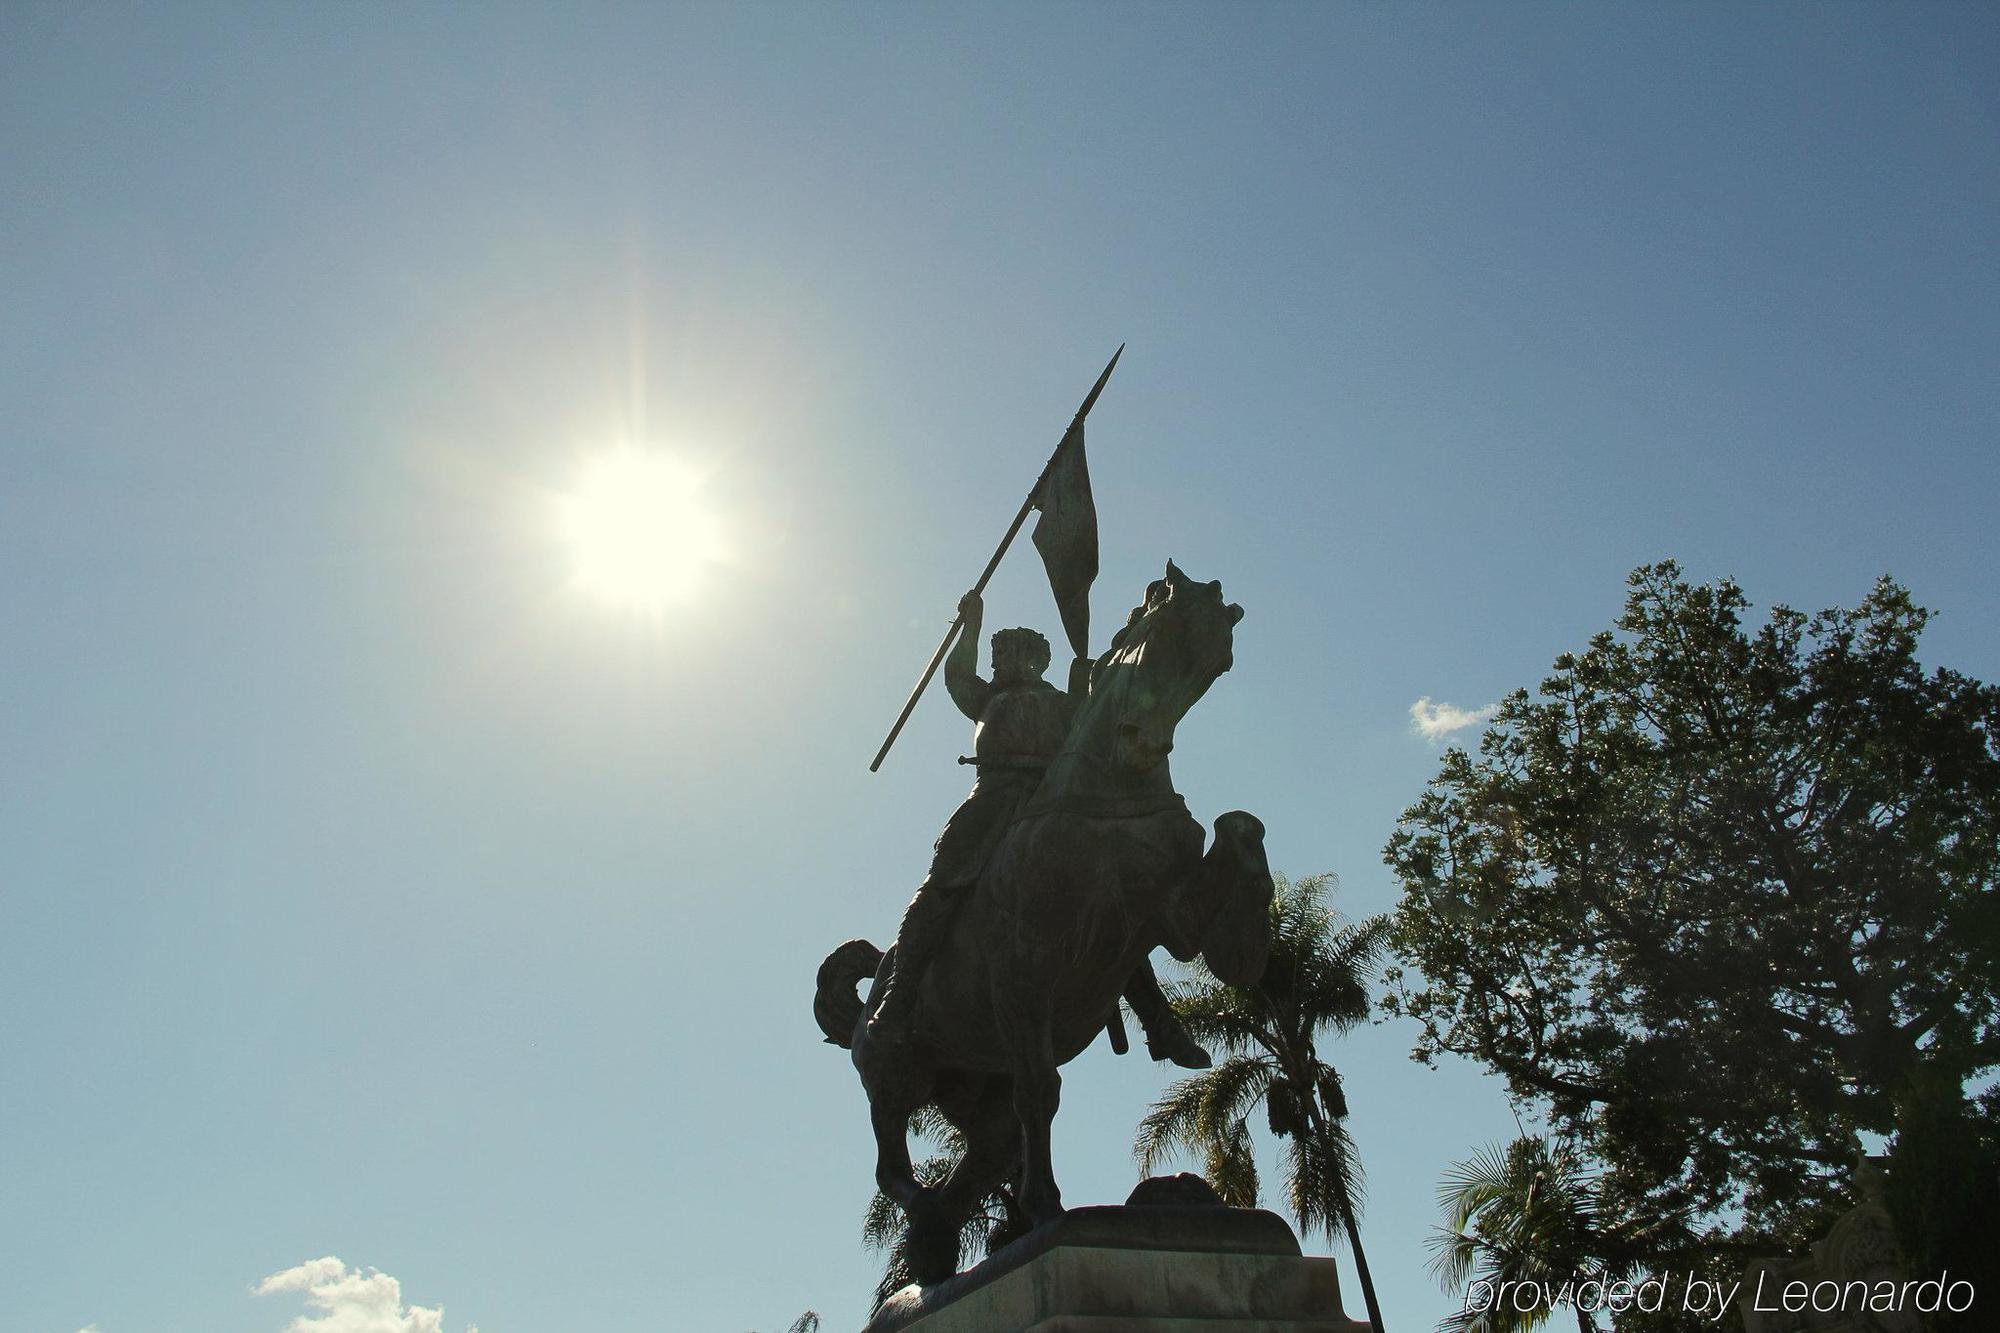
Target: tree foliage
x=1523, y=1213
x=1715, y=899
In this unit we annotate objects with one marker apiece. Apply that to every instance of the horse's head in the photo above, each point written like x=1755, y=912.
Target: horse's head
x=1171, y=650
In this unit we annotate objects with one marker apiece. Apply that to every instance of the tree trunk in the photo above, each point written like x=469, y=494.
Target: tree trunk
x=1360, y=1259
x=1318, y=1124
x=1316, y=1114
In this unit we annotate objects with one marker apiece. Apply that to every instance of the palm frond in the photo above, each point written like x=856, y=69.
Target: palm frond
x=928, y=1123
x=880, y=1222
x=1219, y=1016
x=1453, y=1254
x=1310, y=1182
x=1321, y=1177
x=1168, y=1123
x=1343, y=1155
x=1196, y=1113
x=1232, y=1166
x=1332, y=983
x=1470, y=1186
x=1524, y=1211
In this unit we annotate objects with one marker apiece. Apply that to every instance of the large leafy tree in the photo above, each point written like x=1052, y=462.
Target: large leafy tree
x=1715, y=899
x=1314, y=987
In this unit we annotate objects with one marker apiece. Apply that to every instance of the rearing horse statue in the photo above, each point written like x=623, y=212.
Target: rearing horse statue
x=1102, y=866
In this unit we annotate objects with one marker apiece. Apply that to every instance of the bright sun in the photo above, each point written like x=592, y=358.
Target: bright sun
x=639, y=534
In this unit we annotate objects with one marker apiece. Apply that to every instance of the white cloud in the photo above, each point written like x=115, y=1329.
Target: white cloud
x=1435, y=721
x=352, y=1300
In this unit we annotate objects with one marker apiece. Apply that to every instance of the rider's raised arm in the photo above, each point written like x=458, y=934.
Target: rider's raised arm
x=961, y=669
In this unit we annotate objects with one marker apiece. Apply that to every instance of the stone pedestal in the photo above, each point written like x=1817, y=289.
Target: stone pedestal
x=1136, y=1269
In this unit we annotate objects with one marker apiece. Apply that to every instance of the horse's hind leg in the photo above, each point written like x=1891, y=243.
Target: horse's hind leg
x=985, y=1118
x=933, y=1243
x=895, y=1176
x=1037, y=1093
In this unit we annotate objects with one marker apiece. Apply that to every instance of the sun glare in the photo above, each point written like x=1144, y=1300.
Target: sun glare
x=638, y=531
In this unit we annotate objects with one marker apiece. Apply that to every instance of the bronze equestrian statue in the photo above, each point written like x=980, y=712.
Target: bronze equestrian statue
x=1021, y=722
x=1095, y=866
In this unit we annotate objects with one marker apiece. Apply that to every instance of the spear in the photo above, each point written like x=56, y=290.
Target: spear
x=958, y=621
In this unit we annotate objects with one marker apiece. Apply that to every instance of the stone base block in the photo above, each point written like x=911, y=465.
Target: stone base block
x=1145, y=1269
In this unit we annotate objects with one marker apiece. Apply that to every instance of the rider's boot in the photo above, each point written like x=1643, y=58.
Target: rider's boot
x=1166, y=1038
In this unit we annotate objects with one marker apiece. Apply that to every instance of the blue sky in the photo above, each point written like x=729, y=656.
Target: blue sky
x=366, y=891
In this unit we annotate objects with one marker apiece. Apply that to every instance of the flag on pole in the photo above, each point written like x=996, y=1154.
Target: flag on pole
x=1066, y=535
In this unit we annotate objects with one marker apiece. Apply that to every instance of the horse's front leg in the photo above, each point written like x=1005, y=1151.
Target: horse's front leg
x=1221, y=911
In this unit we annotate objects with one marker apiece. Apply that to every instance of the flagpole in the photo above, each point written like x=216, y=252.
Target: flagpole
x=1027, y=505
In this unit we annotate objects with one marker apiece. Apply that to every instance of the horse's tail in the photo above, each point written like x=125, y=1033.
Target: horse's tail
x=836, y=1006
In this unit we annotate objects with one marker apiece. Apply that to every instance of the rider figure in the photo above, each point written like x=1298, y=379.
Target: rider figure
x=1021, y=723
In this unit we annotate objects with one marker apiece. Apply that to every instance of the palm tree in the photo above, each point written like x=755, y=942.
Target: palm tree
x=1313, y=987
x=1526, y=1212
